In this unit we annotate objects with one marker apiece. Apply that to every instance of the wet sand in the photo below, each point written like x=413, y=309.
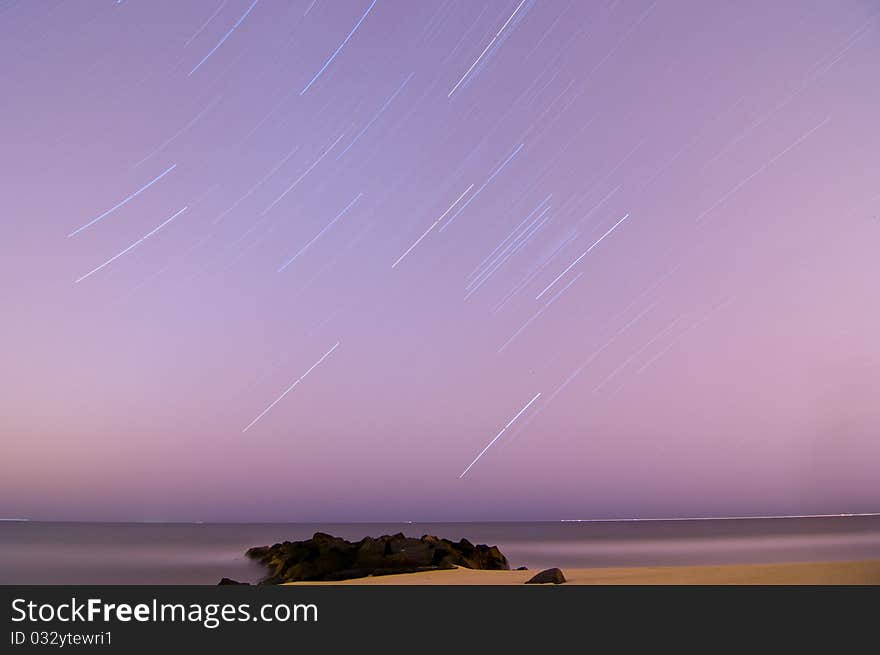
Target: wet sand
x=801, y=573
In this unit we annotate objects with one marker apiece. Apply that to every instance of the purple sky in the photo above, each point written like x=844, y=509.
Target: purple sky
x=716, y=353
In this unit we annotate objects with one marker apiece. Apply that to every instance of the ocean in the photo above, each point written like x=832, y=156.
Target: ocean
x=33, y=552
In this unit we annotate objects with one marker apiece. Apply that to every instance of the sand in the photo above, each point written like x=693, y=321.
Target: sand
x=833, y=573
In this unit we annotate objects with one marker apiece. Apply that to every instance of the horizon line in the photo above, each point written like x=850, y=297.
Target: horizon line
x=407, y=522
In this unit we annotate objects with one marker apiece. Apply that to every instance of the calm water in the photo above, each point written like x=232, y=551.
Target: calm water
x=166, y=553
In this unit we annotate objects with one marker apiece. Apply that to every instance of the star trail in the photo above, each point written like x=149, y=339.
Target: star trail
x=661, y=214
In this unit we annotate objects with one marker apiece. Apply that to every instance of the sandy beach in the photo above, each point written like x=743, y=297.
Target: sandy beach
x=801, y=573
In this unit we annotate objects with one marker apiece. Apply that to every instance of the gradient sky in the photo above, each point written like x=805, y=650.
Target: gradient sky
x=716, y=353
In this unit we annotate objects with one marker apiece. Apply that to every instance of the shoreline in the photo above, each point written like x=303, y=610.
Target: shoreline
x=858, y=572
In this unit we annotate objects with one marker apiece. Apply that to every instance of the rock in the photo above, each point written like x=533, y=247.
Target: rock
x=230, y=581
x=325, y=557
x=522, y=568
x=547, y=576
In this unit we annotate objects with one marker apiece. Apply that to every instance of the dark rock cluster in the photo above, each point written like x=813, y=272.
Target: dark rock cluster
x=325, y=557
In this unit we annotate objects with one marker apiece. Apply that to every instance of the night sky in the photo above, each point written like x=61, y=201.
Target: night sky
x=409, y=260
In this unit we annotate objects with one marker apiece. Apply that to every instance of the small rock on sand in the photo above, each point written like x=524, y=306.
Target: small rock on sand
x=546, y=576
